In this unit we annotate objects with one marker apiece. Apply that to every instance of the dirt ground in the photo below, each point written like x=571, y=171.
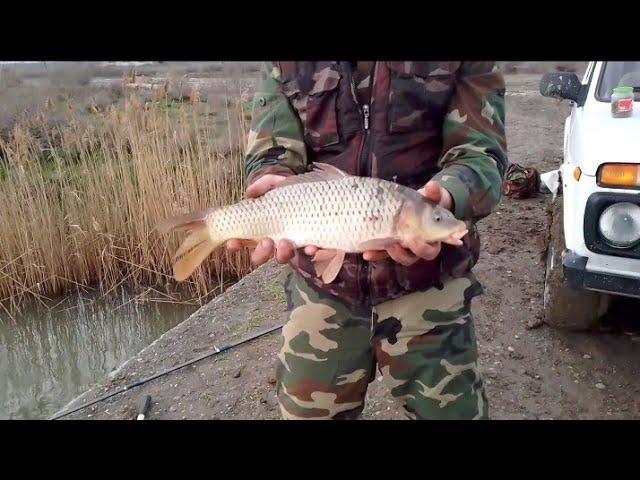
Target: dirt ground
x=531, y=370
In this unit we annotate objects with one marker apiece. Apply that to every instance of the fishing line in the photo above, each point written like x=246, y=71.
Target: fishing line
x=213, y=353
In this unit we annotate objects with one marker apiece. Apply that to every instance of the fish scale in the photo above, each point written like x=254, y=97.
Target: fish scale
x=338, y=214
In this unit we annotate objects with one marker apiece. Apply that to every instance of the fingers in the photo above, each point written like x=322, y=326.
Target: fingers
x=235, y=245
x=402, y=255
x=284, y=251
x=436, y=193
x=263, y=185
x=263, y=252
x=432, y=191
x=375, y=255
x=406, y=254
x=310, y=250
x=427, y=251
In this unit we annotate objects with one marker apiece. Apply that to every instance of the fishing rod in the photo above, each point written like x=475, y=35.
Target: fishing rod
x=143, y=407
x=213, y=353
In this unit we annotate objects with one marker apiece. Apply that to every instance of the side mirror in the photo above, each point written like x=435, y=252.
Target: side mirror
x=562, y=85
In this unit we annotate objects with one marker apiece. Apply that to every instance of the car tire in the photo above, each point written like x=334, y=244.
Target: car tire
x=566, y=308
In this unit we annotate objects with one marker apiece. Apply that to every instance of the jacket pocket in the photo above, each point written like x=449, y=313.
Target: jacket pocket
x=419, y=94
x=315, y=100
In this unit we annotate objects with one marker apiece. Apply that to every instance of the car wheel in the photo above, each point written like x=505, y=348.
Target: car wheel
x=564, y=307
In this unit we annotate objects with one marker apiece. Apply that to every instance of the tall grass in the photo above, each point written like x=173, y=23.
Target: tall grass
x=79, y=201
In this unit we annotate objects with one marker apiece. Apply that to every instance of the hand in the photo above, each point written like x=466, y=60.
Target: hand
x=436, y=193
x=264, y=250
x=409, y=252
x=263, y=184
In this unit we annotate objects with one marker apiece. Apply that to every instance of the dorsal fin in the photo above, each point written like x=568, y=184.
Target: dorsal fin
x=322, y=172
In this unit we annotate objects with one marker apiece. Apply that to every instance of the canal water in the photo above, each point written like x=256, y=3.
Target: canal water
x=48, y=356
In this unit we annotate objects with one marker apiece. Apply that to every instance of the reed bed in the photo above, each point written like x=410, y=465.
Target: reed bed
x=80, y=200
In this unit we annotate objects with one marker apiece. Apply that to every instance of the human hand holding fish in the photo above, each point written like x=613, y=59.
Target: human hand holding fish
x=408, y=252
x=324, y=208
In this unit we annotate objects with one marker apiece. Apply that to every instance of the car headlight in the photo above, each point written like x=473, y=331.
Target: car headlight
x=619, y=225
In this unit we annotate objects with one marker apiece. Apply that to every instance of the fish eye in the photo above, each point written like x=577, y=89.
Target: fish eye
x=437, y=218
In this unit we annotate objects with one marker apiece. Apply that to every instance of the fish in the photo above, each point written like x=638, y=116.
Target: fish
x=325, y=207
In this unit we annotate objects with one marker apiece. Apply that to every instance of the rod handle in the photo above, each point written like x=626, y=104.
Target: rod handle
x=145, y=404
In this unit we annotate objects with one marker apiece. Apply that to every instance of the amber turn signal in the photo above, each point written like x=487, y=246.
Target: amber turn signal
x=619, y=175
x=577, y=173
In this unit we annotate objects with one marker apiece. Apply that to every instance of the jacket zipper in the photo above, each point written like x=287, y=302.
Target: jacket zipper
x=365, y=149
x=362, y=171
x=365, y=113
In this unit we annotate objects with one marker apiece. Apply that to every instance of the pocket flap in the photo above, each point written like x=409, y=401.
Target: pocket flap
x=313, y=79
x=325, y=78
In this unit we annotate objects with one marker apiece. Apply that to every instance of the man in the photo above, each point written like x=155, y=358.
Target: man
x=437, y=127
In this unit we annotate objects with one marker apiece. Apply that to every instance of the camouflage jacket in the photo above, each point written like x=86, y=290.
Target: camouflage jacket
x=424, y=120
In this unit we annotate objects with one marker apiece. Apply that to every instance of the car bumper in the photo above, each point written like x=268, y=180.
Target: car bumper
x=577, y=276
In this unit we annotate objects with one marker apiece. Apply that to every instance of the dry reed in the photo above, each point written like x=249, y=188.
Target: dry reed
x=80, y=200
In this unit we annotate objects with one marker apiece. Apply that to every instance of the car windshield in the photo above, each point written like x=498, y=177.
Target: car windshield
x=618, y=74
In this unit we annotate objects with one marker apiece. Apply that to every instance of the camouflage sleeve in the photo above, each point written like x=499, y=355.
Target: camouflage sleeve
x=275, y=143
x=474, y=156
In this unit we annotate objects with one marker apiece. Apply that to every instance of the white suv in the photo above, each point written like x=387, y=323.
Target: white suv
x=594, y=239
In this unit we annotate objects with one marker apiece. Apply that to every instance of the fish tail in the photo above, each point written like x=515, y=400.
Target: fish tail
x=196, y=247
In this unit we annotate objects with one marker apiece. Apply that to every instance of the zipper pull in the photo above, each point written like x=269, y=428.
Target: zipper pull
x=365, y=112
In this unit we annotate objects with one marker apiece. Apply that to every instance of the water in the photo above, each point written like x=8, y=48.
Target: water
x=47, y=358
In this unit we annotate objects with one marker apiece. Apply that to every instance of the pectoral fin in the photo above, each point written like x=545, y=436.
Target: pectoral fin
x=327, y=264
x=333, y=269
x=324, y=255
x=377, y=244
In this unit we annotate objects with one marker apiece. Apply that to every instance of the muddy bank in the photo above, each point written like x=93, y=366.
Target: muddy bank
x=532, y=371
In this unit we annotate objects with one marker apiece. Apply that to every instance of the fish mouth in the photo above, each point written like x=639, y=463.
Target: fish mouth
x=455, y=238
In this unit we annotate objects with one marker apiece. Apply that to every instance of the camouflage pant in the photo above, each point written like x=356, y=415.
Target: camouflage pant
x=423, y=343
